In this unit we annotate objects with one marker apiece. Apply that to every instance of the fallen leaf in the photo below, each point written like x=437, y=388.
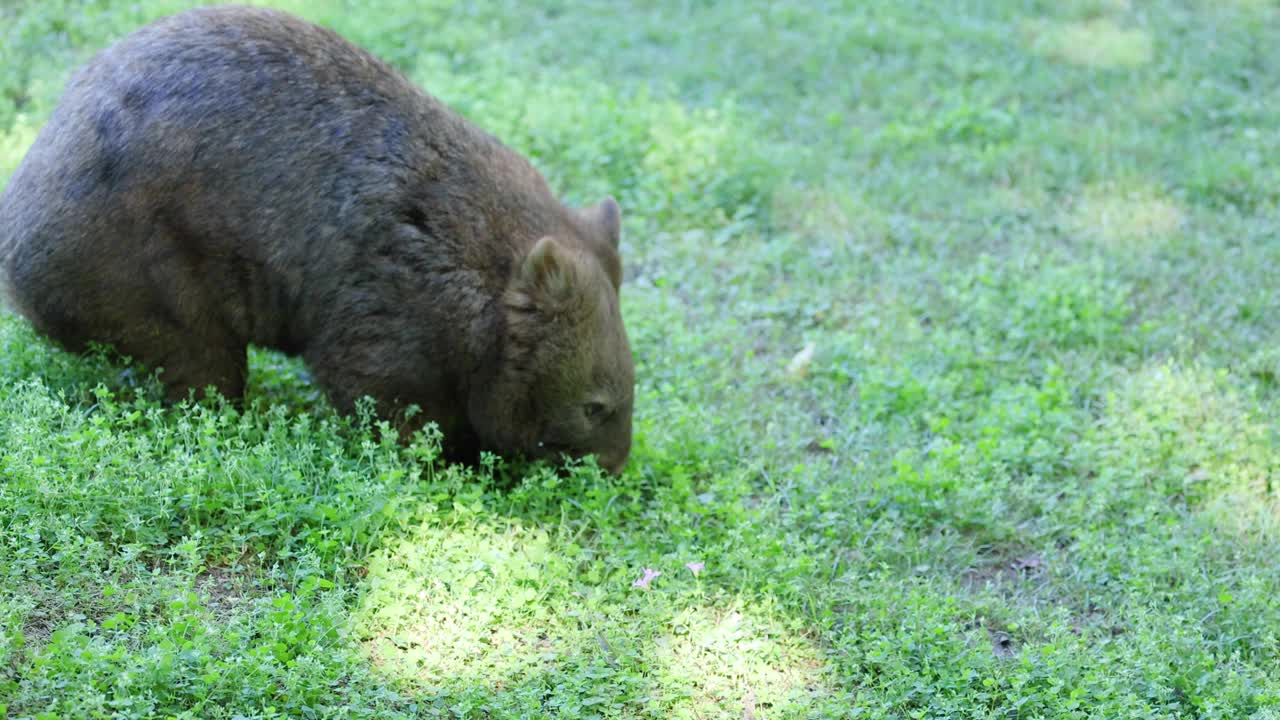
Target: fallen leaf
x=799, y=365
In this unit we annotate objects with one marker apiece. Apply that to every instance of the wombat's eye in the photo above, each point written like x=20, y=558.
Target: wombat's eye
x=595, y=410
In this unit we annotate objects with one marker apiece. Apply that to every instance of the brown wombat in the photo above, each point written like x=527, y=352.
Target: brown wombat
x=234, y=175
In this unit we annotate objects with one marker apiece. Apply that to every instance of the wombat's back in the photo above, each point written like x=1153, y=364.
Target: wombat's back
x=225, y=147
x=229, y=110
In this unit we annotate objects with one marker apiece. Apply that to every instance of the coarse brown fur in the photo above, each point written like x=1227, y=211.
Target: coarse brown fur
x=234, y=175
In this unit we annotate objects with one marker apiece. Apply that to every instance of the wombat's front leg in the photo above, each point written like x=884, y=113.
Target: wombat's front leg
x=199, y=368
x=191, y=344
x=354, y=362
x=187, y=359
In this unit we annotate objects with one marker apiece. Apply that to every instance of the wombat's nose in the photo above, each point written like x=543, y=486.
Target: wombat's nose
x=613, y=463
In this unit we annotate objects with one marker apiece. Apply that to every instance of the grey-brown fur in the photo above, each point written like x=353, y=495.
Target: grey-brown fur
x=231, y=175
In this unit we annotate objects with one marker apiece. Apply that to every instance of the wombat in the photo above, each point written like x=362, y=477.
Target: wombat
x=230, y=176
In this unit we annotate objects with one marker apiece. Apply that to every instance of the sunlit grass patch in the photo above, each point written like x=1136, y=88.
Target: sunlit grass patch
x=1246, y=515
x=1126, y=217
x=451, y=607
x=1025, y=199
x=733, y=661
x=816, y=210
x=1161, y=99
x=1185, y=434
x=1099, y=42
x=484, y=601
x=841, y=225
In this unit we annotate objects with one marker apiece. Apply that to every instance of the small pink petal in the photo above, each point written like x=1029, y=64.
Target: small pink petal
x=649, y=575
x=695, y=567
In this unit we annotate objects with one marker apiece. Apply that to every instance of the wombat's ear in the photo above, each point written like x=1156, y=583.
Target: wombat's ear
x=548, y=270
x=606, y=218
x=610, y=220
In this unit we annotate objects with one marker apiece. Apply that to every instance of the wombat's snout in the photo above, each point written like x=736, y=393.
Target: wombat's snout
x=614, y=462
x=611, y=460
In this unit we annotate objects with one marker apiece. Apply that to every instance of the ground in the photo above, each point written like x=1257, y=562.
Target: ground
x=957, y=332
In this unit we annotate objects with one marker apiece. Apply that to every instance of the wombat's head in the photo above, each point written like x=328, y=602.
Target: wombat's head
x=566, y=381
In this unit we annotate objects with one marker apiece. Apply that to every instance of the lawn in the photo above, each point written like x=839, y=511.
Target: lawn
x=957, y=341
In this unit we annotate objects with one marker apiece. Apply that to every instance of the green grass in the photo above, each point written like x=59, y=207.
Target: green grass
x=1031, y=468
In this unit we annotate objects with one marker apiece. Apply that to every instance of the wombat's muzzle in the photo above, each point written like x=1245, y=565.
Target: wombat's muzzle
x=613, y=464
